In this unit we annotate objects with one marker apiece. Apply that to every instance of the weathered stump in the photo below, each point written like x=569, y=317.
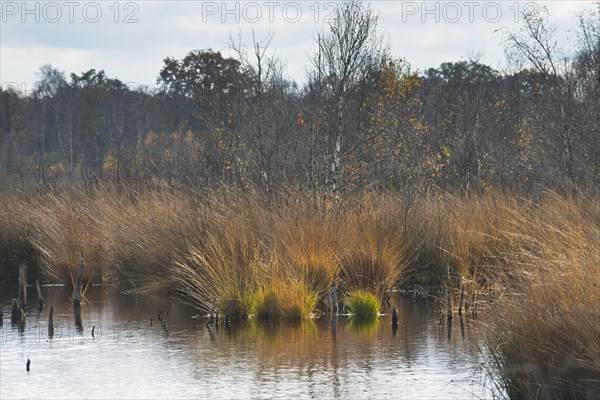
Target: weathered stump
x=23, y=286
x=163, y=317
x=460, y=302
x=163, y=320
x=40, y=297
x=334, y=301
x=51, y=322
x=211, y=316
x=449, y=305
x=228, y=316
x=333, y=327
x=77, y=319
x=77, y=286
x=414, y=292
x=16, y=312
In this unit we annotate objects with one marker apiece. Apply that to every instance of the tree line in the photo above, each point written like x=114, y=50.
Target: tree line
x=363, y=120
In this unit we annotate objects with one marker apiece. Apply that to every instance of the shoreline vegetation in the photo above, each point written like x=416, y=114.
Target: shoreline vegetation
x=533, y=263
x=245, y=193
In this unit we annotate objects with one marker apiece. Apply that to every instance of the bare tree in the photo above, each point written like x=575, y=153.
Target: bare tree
x=587, y=66
x=536, y=45
x=263, y=110
x=50, y=87
x=346, y=56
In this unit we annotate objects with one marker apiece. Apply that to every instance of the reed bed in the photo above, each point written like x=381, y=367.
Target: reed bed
x=278, y=257
x=15, y=244
x=544, y=331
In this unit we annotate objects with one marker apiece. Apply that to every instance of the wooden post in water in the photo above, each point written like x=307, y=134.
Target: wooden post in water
x=77, y=319
x=51, y=322
x=77, y=287
x=228, y=316
x=40, y=297
x=333, y=327
x=16, y=312
x=460, y=302
x=334, y=302
x=23, y=286
x=449, y=305
x=211, y=317
x=394, y=317
x=163, y=319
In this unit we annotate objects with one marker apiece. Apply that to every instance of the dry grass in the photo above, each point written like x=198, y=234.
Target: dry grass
x=15, y=246
x=379, y=246
x=310, y=243
x=275, y=258
x=146, y=232
x=62, y=231
x=544, y=330
x=222, y=271
x=541, y=259
x=284, y=300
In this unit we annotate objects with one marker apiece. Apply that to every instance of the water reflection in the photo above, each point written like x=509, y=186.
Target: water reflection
x=330, y=357
x=362, y=327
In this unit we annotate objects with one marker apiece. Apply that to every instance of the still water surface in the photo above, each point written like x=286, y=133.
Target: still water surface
x=128, y=358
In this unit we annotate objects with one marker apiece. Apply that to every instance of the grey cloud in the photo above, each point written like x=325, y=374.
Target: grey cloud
x=134, y=52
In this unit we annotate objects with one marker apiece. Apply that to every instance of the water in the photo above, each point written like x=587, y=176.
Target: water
x=127, y=357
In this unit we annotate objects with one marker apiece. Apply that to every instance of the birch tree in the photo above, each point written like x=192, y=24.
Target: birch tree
x=346, y=57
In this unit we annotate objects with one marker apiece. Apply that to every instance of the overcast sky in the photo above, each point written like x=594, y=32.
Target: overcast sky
x=129, y=40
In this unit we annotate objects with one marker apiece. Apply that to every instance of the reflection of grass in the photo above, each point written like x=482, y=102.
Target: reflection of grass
x=363, y=326
x=364, y=306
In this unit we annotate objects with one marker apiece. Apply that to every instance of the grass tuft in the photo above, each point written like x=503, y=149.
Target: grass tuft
x=363, y=306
